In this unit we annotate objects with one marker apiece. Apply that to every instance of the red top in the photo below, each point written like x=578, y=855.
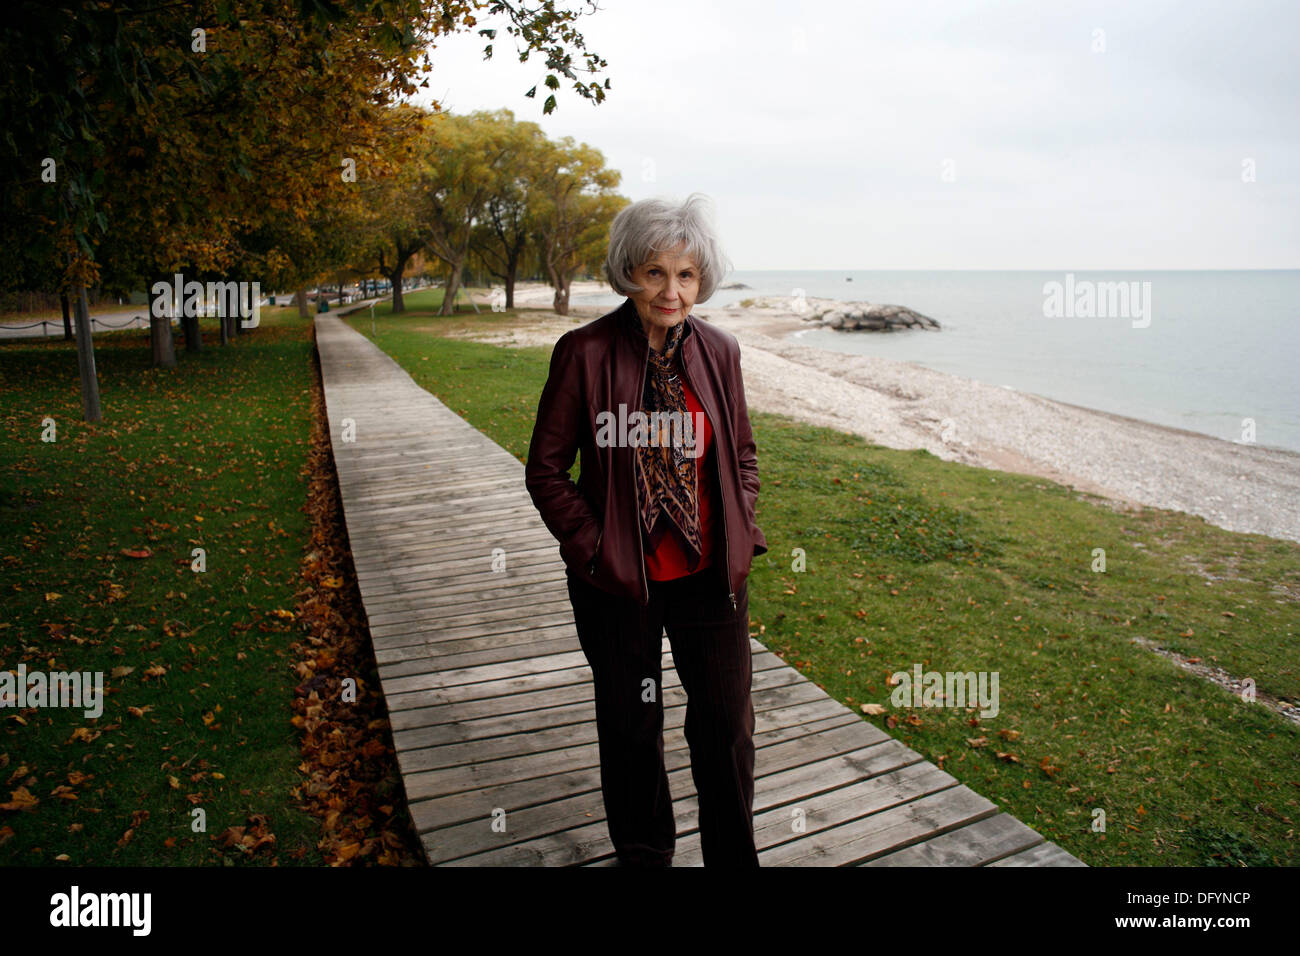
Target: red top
x=669, y=560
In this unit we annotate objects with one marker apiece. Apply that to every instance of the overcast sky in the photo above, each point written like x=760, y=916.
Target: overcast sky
x=941, y=135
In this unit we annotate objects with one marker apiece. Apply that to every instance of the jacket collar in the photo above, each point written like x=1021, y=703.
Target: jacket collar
x=628, y=321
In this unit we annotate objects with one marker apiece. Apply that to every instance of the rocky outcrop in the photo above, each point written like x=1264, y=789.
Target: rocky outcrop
x=865, y=316
x=848, y=316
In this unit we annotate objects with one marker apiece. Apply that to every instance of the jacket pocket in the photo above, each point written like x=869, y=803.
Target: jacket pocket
x=595, y=556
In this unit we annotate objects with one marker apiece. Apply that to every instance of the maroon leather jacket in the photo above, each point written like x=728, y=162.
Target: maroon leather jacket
x=594, y=368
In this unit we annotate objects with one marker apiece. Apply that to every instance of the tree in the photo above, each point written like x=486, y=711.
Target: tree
x=467, y=154
x=502, y=232
x=392, y=224
x=576, y=204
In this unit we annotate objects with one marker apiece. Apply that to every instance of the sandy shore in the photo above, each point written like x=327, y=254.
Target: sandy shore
x=903, y=405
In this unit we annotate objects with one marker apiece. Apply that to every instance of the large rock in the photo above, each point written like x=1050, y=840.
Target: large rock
x=870, y=317
x=849, y=316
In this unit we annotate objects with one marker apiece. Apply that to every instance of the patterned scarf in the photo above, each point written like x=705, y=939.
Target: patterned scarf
x=665, y=474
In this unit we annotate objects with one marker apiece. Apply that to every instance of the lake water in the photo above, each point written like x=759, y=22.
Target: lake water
x=1217, y=347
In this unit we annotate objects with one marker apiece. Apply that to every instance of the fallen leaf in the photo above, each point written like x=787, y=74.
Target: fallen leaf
x=230, y=836
x=20, y=799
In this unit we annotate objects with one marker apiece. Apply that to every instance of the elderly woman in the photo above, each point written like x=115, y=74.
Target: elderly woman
x=658, y=533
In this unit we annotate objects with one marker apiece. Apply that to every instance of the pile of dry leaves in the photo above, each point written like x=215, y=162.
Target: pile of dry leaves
x=352, y=780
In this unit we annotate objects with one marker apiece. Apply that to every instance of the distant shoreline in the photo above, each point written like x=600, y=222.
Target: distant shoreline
x=1244, y=488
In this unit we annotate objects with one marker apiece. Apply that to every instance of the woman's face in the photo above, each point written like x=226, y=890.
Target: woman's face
x=669, y=283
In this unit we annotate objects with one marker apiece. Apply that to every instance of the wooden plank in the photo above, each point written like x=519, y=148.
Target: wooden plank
x=979, y=844
x=858, y=837
x=404, y=633
x=395, y=655
x=1045, y=854
x=536, y=547
x=465, y=594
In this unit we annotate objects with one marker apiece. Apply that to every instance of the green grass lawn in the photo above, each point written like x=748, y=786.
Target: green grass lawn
x=196, y=665
x=910, y=559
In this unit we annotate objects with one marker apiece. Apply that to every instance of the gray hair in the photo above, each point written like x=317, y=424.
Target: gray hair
x=656, y=225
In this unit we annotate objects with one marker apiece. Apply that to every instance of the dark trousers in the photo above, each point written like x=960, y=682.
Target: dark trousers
x=710, y=643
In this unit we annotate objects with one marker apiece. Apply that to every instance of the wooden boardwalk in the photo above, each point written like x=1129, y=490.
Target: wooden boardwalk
x=490, y=696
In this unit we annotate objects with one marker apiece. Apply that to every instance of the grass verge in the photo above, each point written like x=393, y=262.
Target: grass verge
x=198, y=666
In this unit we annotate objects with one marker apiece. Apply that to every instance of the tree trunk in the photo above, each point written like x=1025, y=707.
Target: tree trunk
x=561, y=300
x=225, y=322
x=86, y=359
x=396, y=278
x=301, y=298
x=67, y=316
x=190, y=326
x=160, y=338
x=512, y=268
x=449, y=292
x=560, y=283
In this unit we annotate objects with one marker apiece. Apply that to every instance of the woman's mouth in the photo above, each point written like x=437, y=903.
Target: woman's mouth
x=665, y=311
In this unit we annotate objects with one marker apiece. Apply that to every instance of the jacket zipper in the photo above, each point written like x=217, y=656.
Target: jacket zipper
x=640, y=389
x=717, y=465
